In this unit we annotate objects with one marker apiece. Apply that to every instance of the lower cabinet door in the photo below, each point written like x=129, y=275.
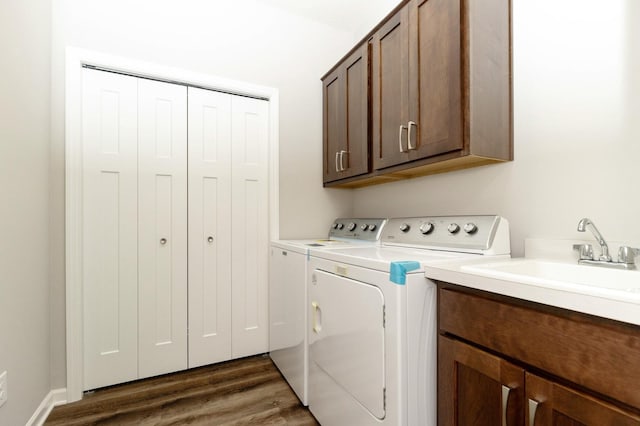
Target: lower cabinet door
x=548, y=403
x=477, y=388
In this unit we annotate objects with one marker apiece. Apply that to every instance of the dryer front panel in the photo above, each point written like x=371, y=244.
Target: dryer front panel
x=347, y=337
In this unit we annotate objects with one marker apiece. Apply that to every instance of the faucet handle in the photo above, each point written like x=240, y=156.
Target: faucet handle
x=585, y=251
x=627, y=254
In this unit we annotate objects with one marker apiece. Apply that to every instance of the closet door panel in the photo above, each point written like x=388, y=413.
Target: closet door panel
x=162, y=227
x=209, y=227
x=109, y=228
x=250, y=224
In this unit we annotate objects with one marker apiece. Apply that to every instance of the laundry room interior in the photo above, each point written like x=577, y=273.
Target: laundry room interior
x=566, y=78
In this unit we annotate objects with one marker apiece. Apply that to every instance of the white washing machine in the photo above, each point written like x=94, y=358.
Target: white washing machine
x=372, y=319
x=288, y=294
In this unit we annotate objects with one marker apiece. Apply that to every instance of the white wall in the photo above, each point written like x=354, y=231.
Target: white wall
x=24, y=174
x=243, y=40
x=576, y=131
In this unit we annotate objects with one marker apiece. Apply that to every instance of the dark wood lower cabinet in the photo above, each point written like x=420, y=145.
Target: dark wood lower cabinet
x=476, y=388
x=506, y=362
x=549, y=403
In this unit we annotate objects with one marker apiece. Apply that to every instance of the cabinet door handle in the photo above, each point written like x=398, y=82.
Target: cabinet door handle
x=400, y=138
x=409, y=146
x=533, y=407
x=337, y=168
x=506, y=390
x=317, y=314
x=342, y=153
x=163, y=241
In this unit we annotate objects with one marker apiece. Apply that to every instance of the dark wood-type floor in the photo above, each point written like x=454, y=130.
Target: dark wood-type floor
x=248, y=391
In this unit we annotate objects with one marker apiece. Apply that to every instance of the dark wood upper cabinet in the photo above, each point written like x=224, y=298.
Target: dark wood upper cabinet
x=435, y=77
x=346, y=118
x=390, y=91
x=441, y=91
x=416, y=103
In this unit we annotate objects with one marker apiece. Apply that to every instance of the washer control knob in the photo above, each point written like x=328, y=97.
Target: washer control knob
x=426, y=228
x=340, y=225
x=405, y=227
x=373, y=227
x=336, y=225
x=351, y=226
x=470, y=228
x=453, y=228
x=364, y=226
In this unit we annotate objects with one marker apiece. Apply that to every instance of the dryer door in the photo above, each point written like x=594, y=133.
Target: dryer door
x=347, y=337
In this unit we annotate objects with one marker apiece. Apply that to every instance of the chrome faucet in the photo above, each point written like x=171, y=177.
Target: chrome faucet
x=626, y=255
x=582, y=226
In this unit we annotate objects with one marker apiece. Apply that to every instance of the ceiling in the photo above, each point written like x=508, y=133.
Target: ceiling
x=355, y=16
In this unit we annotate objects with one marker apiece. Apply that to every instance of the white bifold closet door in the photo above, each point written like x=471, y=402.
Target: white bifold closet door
x=250, y=244
x=175, y=227
x=209, y=227
x=110, y=228
x=162, y=227
x=228, y=226
x=135, y=228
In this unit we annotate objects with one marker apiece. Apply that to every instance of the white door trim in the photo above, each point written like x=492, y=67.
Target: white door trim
x=75, y=59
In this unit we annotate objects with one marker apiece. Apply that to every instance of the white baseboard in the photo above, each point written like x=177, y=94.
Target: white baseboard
x=53, y=398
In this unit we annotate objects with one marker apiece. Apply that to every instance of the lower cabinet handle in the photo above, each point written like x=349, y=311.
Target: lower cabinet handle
x=506, y=390
x=533, y=407
x=409, y=146
x=337, y=168
x=400, y=138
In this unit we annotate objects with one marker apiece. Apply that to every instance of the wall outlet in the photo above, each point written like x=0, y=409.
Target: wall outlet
x=4, y=392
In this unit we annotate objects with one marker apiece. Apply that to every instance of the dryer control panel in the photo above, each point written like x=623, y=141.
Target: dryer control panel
x=483, y=234
x=365, y=229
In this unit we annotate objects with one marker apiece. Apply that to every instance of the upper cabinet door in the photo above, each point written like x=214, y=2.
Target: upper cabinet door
x=435, y=78
x=334, y=125
x=356, y=88
x=162, y=227
x=390, y=91
x=346, y=117
x=109, y=228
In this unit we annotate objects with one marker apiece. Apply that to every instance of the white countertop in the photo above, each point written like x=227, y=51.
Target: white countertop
x=614, y=304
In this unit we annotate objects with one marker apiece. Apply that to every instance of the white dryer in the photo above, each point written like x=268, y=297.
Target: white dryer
x=288, y=293
x=372, y=319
